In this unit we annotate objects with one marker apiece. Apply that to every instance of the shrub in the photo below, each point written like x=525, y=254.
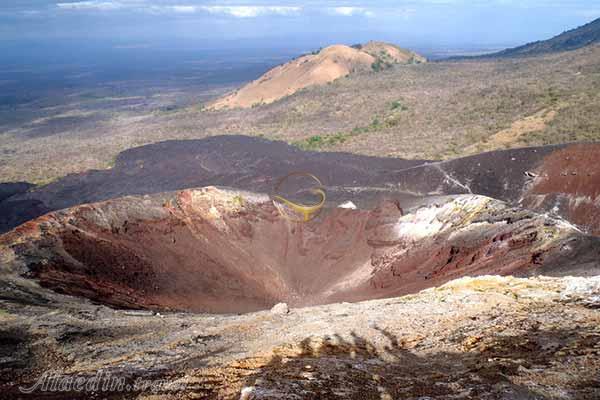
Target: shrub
x=377, y=66
x=396, y=105
x=317, y=142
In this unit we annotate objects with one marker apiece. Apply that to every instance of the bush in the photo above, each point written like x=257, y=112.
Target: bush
x=396, y=105
x=377, y=66
x=317, y=142
x=380, y=65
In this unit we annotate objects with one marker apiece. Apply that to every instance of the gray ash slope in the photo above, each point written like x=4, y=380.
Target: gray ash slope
x=9, y=189
x=235, y=161
x=255, y=164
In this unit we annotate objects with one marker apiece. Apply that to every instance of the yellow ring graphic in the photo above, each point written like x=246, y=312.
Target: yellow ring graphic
x=308, y=211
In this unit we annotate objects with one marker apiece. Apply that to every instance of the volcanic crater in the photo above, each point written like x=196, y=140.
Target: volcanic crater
x=220, y=250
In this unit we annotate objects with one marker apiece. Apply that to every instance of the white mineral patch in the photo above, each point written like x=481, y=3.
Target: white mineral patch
x=585, y=289
x=421, y=224
x=349, y=205
x=429, y=221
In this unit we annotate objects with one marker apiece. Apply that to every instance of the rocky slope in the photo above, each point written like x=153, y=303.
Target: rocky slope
x=474, y=338
x=327, y=65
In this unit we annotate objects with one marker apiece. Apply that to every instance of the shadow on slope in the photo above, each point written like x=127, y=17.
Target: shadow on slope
x=533, y=365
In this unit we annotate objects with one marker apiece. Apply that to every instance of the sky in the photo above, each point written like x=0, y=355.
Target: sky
x=420, y=23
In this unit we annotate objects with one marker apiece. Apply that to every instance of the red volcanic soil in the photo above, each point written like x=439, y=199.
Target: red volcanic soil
x=569, y=183
x=575, y=169
x=207, y=251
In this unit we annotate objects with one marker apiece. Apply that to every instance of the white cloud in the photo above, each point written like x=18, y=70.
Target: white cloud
x=90, y=5
x=251, y=11
x=351, y=11
x=248, y=10
x=184, y=9
x=160, y=7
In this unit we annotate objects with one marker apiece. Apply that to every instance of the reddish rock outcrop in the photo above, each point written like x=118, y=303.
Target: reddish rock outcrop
x=568, y=182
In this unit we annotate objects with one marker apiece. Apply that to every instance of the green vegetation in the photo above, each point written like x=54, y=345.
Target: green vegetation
x=380, y=65
x=397, y=105
x=383, y=61
x=317, y=142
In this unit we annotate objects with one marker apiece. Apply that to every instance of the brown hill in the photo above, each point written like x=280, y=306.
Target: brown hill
x=329, y=64
x=391, y=54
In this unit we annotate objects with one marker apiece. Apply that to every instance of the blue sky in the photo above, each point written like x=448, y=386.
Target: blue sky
x=407, y=22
